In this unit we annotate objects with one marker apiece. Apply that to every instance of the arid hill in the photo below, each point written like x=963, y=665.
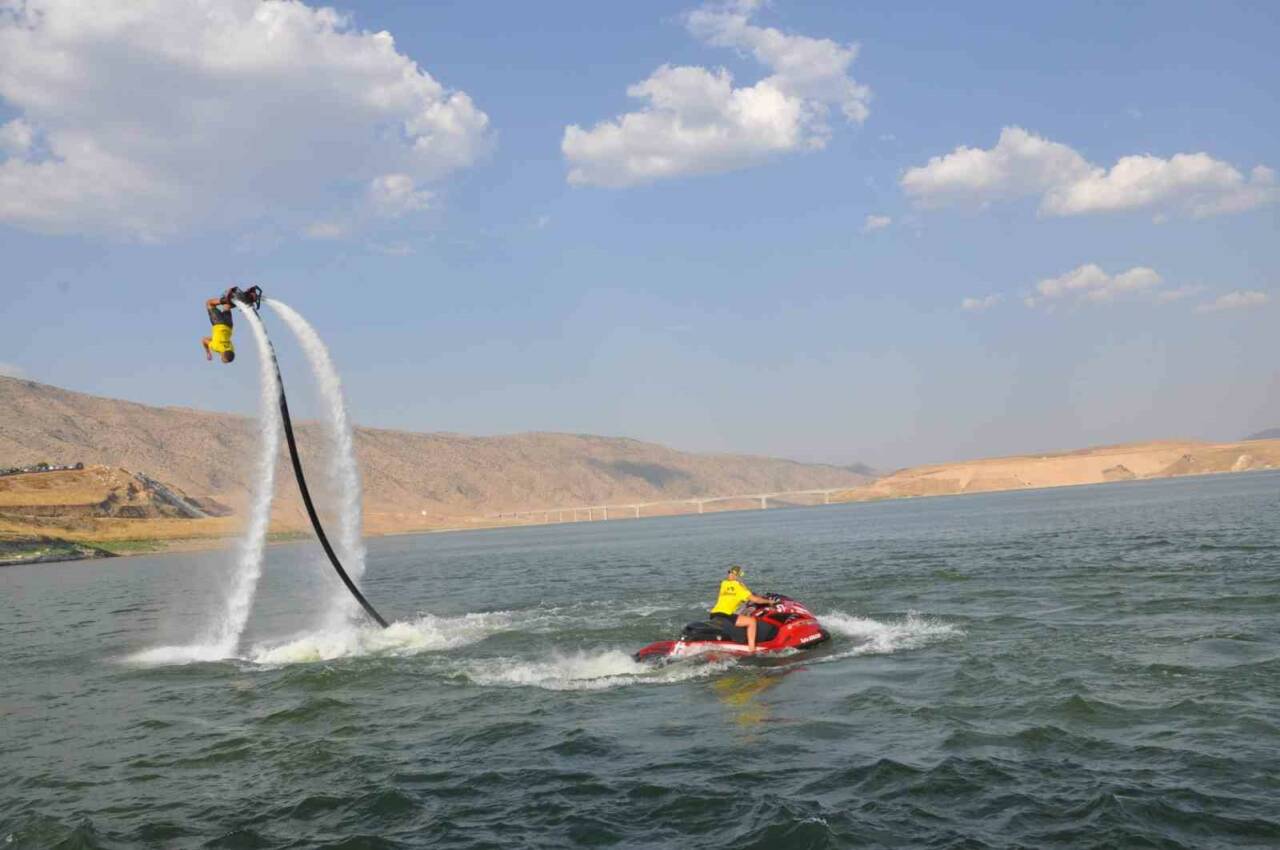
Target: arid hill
x=1164, y=459
x=410, y=480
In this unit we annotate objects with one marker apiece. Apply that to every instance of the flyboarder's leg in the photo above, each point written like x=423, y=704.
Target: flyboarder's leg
x=204, y=343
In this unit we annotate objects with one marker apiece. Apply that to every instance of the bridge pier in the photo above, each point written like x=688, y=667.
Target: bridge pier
x=764, y=503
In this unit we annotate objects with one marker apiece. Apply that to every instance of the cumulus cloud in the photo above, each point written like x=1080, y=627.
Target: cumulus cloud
x=1022, y=164
x=694, y=120
x=876, y=222
x=144, y=118
x=1090, y=284
x=1238, y=300
x=977, y=305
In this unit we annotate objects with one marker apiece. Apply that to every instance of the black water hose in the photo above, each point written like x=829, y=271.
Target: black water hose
x=306, y=498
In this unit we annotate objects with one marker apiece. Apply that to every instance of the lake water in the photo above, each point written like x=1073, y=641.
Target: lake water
x=1087, y=667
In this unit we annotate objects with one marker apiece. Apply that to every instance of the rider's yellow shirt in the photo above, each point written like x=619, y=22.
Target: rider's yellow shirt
x=732, y=594
x=221, y=340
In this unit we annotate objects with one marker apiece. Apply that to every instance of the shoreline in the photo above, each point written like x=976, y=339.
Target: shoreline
x=98, y=549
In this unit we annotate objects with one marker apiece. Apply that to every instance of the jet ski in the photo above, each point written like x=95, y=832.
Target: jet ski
x=781, y=624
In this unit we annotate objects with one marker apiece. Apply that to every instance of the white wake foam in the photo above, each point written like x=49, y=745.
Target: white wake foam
x=425, y=634
x=165, y=656
x=876, y=638
x=586, y=671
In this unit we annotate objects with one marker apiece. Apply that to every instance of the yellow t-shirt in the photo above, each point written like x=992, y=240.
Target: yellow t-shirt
x=221, y=339
x=732, y=594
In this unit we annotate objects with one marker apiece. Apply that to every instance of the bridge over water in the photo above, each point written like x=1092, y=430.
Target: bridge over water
x=635, y=510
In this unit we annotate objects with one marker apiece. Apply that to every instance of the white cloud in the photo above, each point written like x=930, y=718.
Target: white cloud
x=1238, y=300
x=876, y=222
x=1019, y=164
x=1168, y=296
x=16, y=137
x=10, y=370
x=1194, y=183
x=1023, y=164
x=325, y=230
x=977, y=305
x=144, y=118
x=1090, y=284
x=395, y=195
x=695, y=121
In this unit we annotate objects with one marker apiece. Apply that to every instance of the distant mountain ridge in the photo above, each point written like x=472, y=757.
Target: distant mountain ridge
x=1268, y=434
x=406, y=476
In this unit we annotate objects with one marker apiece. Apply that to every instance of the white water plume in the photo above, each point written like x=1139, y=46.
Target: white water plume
x=249, y=561
x=342, y=473
x=224, y=637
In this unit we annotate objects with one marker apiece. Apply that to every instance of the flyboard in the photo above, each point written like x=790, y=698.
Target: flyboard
x=252, y=299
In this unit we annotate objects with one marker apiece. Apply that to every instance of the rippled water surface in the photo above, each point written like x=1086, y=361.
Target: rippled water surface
x=1088, y=667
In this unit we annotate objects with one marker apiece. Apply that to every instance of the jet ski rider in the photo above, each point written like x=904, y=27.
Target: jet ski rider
x=734, y=595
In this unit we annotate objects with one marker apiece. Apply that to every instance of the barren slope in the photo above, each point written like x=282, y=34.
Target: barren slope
x=410, y=480
x=1162, y=459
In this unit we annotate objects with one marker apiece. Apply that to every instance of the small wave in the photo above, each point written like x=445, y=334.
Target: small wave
x=587, y=671
x=425, y=634
x=877, y=638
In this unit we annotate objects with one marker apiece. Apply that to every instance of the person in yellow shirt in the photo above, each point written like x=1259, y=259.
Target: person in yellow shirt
x=733, y=596
x=219, y=341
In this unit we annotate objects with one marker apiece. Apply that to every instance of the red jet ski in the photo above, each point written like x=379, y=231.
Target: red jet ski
x=782, y=624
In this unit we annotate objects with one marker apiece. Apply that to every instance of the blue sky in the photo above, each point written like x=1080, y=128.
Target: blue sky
x=774, y=263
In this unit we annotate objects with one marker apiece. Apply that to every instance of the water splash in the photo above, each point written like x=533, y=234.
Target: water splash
x=224, y=637
x=878, y=638
x=342, y=475
x=425, y=634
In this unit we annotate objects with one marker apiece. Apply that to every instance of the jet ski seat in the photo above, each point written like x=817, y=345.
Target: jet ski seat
x=723, y=629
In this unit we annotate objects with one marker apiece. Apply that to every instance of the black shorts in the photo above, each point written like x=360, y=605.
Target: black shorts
x=220, y=314
x=730, y=617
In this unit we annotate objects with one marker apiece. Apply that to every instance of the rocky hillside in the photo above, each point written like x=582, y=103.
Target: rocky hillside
x=410, y=479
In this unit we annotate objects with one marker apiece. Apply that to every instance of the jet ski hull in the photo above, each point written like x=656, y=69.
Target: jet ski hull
x=784, y=624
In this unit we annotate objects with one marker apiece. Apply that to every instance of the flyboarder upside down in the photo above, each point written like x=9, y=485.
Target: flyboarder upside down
x=219, y=342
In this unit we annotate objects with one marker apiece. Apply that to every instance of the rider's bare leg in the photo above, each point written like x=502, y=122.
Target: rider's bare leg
x=750, y=624
x=204, y=343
